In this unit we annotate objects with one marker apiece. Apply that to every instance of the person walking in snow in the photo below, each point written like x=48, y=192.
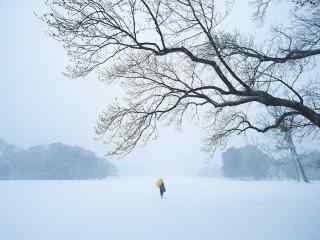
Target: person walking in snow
x=160, y=185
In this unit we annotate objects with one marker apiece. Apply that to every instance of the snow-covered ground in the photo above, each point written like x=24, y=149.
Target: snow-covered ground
x=130, y=208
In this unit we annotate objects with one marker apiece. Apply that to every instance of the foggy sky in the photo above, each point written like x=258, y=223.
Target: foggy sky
x=39, y=105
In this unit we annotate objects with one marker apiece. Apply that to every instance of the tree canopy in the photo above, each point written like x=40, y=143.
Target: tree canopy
x=175, y=58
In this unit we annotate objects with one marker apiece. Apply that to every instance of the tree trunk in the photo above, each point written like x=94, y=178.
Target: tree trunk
x=296, y=167
x=299, y=168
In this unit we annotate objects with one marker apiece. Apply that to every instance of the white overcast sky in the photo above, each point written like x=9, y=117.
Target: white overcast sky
x=39, y=105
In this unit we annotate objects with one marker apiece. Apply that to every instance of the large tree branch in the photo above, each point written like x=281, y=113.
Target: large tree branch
x=189, y=64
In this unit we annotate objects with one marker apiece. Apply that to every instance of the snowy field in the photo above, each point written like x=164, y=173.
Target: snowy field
x=130, y=208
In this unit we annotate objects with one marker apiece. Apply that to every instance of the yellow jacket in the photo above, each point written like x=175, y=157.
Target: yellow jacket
x=159, y=182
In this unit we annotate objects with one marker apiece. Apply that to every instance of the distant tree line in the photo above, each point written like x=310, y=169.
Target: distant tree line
x=54, y=161
x=250, y=162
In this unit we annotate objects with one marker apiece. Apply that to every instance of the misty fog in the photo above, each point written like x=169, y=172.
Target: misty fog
x=189, y=177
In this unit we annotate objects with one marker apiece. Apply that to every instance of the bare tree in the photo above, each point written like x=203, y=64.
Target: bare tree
x=295, y=156
x=262, y=6
x=285, y=142
x=175, y=58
